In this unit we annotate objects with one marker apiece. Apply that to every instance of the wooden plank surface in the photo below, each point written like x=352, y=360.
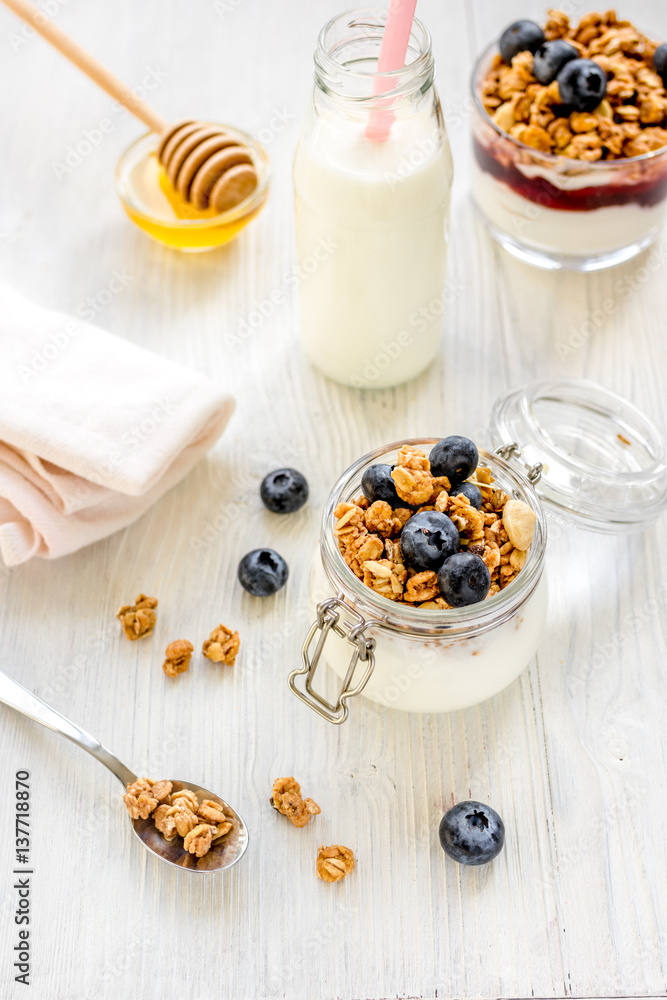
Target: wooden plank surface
x=572, y=754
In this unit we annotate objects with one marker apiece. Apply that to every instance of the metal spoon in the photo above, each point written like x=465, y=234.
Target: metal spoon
x=230, y=850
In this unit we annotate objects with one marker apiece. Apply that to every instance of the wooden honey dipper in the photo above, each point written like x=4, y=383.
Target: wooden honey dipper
x=208, y=167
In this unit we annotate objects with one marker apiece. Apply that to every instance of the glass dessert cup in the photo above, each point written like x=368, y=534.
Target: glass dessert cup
x=569, y=447
x=555, y=212
x=151, y=202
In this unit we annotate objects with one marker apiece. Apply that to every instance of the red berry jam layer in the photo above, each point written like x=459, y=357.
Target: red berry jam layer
x=648, y=187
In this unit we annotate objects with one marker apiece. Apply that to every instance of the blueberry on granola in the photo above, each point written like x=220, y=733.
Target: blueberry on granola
x=428, y=539
x=518, y=37
x=472, y=833
x=550, y=59
x=283, y=491
x=660, y=62
x=262, y=572
x=582, y=84
x=455, y=457
x=377, y=484
x=464, y=579
x=471, y=492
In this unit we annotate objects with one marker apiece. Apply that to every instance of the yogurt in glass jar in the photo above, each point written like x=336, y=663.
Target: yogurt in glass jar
x=372, y=212
x=569, y=447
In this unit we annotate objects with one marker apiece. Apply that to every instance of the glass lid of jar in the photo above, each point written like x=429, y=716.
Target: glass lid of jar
x=595, y=459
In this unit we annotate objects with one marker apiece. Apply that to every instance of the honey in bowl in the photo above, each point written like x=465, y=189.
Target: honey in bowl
x=152, y=202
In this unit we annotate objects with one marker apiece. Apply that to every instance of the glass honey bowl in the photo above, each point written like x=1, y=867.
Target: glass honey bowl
x=150, y=200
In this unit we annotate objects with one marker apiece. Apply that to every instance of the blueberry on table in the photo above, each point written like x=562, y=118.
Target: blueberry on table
x=283, y=491
x=377, y=484
x=551, y=57
x=428, y=539
x=464, y=579
x=519, y=37
x=472, y=492
x=472, y=833
x=455, y=457
x=660, y=61
x=262, y=572
x=582, y=84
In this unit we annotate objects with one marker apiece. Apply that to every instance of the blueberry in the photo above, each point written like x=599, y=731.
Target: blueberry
x=262, y=572
x=470, y=491
x=428, y=539
x=464, y=579
x=551, y=57
x=377, y=484
x=472, y=833
x=582, y=84
x=660, y=61
x=518, y=37
x=284, y=491
x=455, y=457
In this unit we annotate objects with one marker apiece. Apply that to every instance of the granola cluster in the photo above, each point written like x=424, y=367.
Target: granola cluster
x=222, y=645
x=630, y=121
x=368, y=535
x=286, y=798
x=202, y=825
x=334, y=862
x=138, y=619
x=177, y=657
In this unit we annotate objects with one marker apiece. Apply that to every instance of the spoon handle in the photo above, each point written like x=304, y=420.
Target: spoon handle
x=19, y=698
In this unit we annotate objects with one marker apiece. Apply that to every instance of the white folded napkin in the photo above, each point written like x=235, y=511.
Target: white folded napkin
x=93, y=430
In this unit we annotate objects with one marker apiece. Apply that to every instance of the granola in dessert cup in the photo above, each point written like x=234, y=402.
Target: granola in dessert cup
x=389, y=615
x=583, y=184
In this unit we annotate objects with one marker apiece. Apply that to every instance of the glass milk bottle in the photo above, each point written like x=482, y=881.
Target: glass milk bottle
x=372, y=212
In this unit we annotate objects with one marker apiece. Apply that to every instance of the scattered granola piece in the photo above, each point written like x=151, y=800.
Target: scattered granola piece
x=467, y=519
x=286, y=798
x=519, y=520
x=383, y=520
x=439, y=604
x=164, y=820
x=421, y=587
x=220, y=830
x=184, y=816
x=185, y=799
x=355, y=542
x=385, y=577
x=198, y=840
x=222, y=646
x=211, y=812
x=178, y=655
x=138, y=619
x=143, y=796
x=412, y=476
x=334, y=862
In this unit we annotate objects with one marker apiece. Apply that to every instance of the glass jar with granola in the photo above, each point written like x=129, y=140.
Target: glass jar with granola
x=428, y=590
x=569, y=134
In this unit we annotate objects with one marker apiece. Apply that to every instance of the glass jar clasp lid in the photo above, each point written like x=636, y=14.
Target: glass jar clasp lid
x=512, y=450
x=351, y=627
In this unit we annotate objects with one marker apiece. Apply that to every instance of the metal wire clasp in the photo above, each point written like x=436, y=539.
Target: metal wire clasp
x=533, y=472
x=351, y=627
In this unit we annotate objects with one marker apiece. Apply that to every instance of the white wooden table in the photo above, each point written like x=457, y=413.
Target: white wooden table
x=572, y=754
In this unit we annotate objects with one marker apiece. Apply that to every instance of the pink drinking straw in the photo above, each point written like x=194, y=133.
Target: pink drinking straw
x=393, y=50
